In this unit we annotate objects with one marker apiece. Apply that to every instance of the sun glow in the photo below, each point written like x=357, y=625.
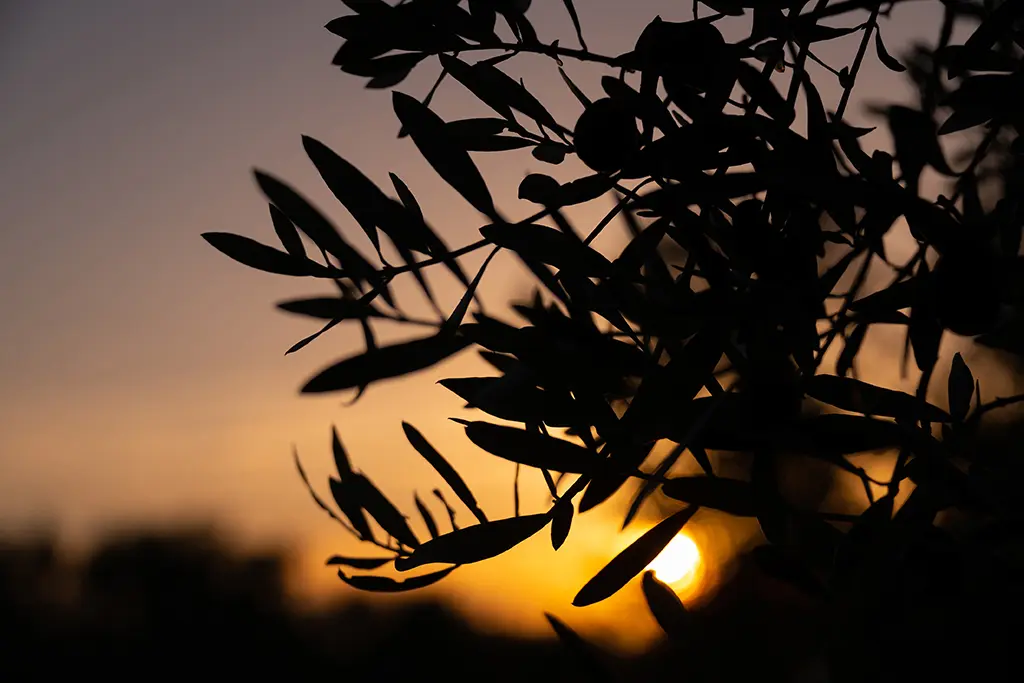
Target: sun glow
x=678, y=562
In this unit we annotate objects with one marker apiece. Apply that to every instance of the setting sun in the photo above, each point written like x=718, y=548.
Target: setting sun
x=678, y=561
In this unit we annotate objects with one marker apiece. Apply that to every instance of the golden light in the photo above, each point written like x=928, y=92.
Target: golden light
x=679, y=561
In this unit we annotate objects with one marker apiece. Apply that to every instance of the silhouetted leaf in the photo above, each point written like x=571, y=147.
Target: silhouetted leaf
x=728, y=495
x=633, y=559
x=546, y=245
x=925, y=331
x=667, y=608
x=996, y=24
x=561, y=522
x=329, y=308
x=389, y=69
x=341, y=460
x=347, y=27
x=286, y=232
x=652, y=484
x=575, y=22
x=451, y=325
x=381, y=509
x=763, y=92
x=323, y=233
x=964, y=118
x=498, y=90
x=515, y=398
x=641, y=248
x=475, y=543
x=365, y=201
x=384, y=363
x=348, y=503
x=447, y=472
x=437, y=246
x=428, y=519
x=884, y=57
x=892, y=298
x=384, y=584
x=302, y=343
x=960, y=388
x=359, y=562
x=574, y=89
x=324, y=506
x=475, y=80
x=532, y=448
x=251, y=253
x=443, y=153
x=860, y=397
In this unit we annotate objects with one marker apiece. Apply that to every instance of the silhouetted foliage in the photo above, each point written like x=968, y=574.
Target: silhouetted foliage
x=720, y=346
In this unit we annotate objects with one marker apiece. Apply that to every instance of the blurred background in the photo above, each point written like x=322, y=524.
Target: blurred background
x=147, y=409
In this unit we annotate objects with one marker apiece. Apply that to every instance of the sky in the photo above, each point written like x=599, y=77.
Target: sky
x=142, y=374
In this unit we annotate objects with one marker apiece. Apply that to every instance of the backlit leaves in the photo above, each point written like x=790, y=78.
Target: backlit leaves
x=442, y=151
x=475, y=543
x=960, y=388
x=384, y=584
x=633, y=559
x=317, y=227
x=385, y=362
x=251, y=253
x=860, y=397
x=730, y=282
x=667, y=608
x=447, y=472
x=884, y=57
x=531, y=448
x=359, y=562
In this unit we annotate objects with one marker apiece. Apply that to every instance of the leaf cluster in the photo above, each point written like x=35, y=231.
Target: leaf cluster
x=718, y=350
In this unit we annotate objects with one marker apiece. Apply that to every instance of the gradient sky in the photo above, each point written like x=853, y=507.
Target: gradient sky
x=142, y=375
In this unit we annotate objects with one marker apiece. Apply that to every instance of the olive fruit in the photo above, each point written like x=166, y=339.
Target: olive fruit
x=606, y=136
x=966, y=290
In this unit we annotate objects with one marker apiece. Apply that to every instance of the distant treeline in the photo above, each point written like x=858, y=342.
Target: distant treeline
x=156, y=604
x=183, y=603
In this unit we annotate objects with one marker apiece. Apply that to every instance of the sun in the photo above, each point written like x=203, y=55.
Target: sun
x=678, y=561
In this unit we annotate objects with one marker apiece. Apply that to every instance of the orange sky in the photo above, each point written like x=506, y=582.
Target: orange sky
x=143, y=376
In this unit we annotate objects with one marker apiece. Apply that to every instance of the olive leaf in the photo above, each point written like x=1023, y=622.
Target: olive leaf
x=251, y=253
x=667, y=608
x=443, y=153
x=960, y=388
x=860, y=397
x=633, y=559
x=532, y=448
x=359, y=562
x=475, y=543
x=384, y=584
x=447, y=472
x=385, y=362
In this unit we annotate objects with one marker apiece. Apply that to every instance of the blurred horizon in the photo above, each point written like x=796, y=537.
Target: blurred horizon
x=144, y=382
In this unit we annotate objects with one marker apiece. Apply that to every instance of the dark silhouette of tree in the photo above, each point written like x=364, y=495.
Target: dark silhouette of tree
x=751, y=245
